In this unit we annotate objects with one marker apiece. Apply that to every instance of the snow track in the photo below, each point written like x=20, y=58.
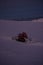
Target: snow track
x=33, y=42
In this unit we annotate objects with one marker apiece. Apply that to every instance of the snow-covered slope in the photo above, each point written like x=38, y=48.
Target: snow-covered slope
x=18, y=53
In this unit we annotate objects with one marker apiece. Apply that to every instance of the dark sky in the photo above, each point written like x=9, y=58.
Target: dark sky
x=21, y=8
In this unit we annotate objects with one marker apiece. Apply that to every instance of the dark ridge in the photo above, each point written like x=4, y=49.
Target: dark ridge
x=26, y=19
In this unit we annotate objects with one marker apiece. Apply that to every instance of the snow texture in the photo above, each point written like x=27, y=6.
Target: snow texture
x=19, y=53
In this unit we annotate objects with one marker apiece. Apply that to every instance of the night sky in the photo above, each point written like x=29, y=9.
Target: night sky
x=13, y=9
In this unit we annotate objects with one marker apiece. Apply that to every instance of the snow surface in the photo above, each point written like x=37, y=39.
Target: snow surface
x=18, y=53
